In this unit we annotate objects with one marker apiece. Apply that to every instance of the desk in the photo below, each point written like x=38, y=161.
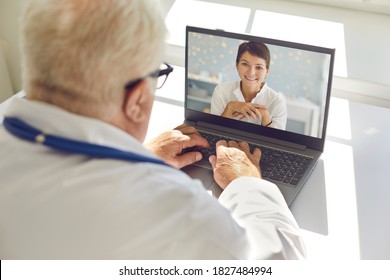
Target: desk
x=343, y=207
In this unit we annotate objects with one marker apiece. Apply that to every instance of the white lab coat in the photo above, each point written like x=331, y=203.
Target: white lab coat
x=274, y=101
x=67, y=206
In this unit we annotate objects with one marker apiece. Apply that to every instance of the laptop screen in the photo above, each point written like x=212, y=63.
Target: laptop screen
x=261, y=82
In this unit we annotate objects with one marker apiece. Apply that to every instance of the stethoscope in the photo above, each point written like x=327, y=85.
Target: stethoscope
x=24, y=131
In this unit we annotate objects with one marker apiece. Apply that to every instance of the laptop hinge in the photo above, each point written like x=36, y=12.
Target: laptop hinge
x=247, y=136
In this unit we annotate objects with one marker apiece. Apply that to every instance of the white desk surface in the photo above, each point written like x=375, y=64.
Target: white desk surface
x=343, y=207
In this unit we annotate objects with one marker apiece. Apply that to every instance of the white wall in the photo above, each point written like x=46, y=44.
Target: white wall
x=9, y=27
x=6, y=89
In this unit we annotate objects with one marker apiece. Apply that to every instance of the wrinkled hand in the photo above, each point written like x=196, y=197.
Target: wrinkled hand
x=234, y=160
x=169, y=146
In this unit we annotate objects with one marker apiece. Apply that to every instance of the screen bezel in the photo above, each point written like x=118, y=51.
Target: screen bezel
x=296, y=138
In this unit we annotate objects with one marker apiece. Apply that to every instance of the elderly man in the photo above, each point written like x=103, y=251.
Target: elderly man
x=76, y=180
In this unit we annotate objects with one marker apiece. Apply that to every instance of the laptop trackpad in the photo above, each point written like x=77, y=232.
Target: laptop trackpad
x=206, y=176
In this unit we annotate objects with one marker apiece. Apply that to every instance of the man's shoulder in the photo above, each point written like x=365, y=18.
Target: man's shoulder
x=150, y=176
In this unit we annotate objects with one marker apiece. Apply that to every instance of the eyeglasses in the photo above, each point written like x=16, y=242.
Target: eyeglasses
x=161, y=75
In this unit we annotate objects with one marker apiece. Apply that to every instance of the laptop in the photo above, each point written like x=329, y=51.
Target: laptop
x=300, y=74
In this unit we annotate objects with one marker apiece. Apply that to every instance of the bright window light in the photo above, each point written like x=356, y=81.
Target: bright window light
x=203, y=14
x=304, y=30
x=342, y=209
x=339, y=122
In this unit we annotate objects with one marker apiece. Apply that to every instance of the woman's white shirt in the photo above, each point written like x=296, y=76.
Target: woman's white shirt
x=231, y=91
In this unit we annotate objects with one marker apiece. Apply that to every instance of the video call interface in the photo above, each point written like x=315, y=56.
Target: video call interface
x=298, y=77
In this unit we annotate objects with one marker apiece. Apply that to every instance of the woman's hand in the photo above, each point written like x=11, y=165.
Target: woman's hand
x=247, y=112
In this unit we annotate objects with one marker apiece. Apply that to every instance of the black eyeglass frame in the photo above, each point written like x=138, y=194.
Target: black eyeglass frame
x=154, y=74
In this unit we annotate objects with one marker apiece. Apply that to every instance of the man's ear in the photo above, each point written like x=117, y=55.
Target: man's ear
x=135, y=102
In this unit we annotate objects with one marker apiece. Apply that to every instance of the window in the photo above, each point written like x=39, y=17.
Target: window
x=204, y=14
x=361, y=76
x=303, y=30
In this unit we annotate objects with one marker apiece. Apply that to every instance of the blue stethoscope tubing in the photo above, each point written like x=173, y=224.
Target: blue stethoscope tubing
x=22, y=130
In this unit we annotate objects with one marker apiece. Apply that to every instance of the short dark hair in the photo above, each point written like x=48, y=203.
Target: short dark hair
x=256, y=49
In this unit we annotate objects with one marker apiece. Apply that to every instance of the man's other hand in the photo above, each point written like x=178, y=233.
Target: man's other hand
x=234, y=160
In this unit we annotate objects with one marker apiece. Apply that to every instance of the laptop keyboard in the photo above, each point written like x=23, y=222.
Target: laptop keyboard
x=275, y=164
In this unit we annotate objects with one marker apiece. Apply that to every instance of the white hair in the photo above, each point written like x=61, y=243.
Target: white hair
x=85, y=51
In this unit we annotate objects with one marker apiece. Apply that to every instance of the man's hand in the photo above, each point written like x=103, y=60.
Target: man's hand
x=170, y=145
x=234, y=160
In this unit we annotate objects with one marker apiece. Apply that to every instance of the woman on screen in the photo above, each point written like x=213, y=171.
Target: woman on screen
x=251, y=99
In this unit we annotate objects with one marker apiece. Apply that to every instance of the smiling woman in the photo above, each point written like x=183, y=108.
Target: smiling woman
x=250, y=99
